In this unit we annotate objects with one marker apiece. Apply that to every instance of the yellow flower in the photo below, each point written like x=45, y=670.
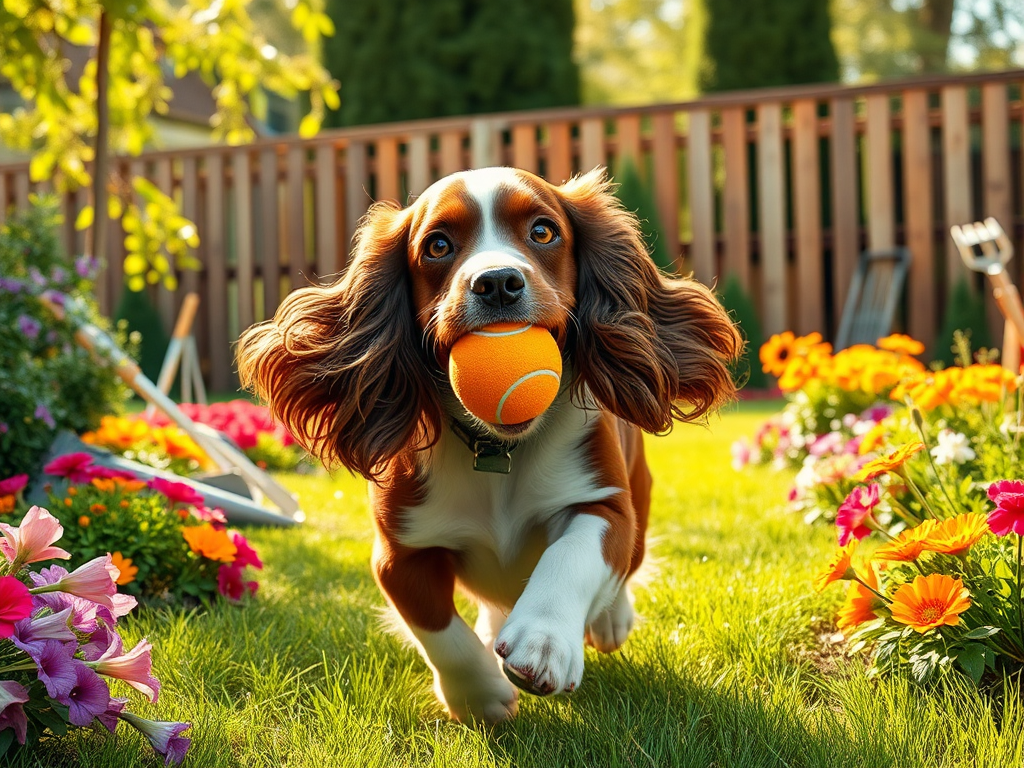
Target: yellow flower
x=838, y=568
x=126, y=570
x=958, y=534
x=891, y=462
x=776, y=353
x=908, y=545
x=930, y=601
x=873, y=438
x=899, y=342
x=209, y=542
x=860, y=604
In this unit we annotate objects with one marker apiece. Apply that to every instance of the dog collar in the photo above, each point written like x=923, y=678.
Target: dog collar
x=489, y=454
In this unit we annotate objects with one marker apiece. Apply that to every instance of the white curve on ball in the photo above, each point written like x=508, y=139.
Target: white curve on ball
x=520, y=380
x=513, y=332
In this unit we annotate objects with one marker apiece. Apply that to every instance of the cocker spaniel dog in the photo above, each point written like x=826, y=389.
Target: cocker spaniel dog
x=357, y=372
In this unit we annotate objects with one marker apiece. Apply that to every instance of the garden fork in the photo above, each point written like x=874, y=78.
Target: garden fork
x=995, y=251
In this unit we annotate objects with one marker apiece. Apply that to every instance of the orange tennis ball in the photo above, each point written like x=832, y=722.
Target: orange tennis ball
x=506, y=373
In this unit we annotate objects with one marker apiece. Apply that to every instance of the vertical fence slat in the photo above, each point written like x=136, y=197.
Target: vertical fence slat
x=190, y=210
x=113, y=259
x=807, y=213
x=627, y=137
x=270, y=237
x=591, y=143
x=163, y=177
x=357, y=199
x=956, y=155
x=484, y=143
x=995, y=126
x=216, y=274
x=702, y=197
x=736, y=196
x=524, y=147
x=245, y=264
x=328, y=258
x=666, y=182
x=881, y=213
x=388, y=182
x=845, y=239
x=772, y=207
x=295, y=206
x=451, y=152
x=3, y=198
x=21, y=188
x=559, y=165
x=419, y=163
x=922, y=320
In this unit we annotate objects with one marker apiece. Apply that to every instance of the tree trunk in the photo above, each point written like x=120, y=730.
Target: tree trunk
x=936, y=18
x=101, y=161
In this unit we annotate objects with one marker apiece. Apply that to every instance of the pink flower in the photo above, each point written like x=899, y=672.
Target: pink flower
x=74, y=466
x=230, y=582
x=1009, y=512
x=31, y=541
x=245, y=554
x=855, y=511
x=15, y=604
x=95, y=581
x=214, y=515
x=162, y=736
x=176, y=493
x=13, y=485
x=110, y=473
x=12, y=714
x=740, y=454
x=134, y=667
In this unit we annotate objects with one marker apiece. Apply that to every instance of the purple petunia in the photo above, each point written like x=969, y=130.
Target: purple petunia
x=162, y=736
x=29, y=326
x=10, y=285
x=12, y=713
x=88, y=698
x=56, y=667
x=53, y=626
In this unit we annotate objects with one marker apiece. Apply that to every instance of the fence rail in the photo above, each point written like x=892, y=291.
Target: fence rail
x=781, y=187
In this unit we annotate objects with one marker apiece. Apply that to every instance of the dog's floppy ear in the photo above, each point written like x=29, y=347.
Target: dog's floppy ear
x=651, y=348
x=342, y=366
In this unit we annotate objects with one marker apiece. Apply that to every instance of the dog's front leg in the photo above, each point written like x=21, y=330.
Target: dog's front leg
x=577, y=577
x=420, y=584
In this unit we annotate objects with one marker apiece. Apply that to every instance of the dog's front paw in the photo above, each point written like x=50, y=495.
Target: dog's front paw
x=610, y=628
x=540, y=660
x=487, y=700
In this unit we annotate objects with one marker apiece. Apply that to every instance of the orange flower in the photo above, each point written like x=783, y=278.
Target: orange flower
x=6, y=504
x=860, y=604
x=104, y=484
x=209, y=542
x=908, y=545
x=98, y=509
x=124, y=503
x=930, y=601
x=84, y=521
x=838, y=568
x=72, y=491
x=129, y=486
x=958, y=534
x=891, y=462
x=126, y=570
x=776, y=353
x=899, y=342
x=68, y=502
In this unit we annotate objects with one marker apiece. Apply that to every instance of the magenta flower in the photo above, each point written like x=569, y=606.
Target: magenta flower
x=88, y=698
x=95, y=581
x=31, y=541
x=108, y=719
x=43, y=414
x=97, y=470
x=12, y=714
x=230, y=582
x=134, y=667
x=176, y=493
x=245, y=554
x=13, y=485
x=855, y=512
x=53, y=626
x=55, y=665
x=74, y=466
x=15, y=604
x=214, y=515
x=162, y=736
x=1009, y=512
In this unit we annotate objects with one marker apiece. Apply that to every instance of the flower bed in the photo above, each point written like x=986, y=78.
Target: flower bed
x=59, y=644
x=914, y=462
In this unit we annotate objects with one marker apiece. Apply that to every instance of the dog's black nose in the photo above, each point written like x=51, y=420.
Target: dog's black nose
x=499, y=287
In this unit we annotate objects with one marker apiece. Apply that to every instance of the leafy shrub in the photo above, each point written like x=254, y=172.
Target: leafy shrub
x=47, y=382
x=740, y=307
x=966, y=314
x=139, y=316
x=636, y=197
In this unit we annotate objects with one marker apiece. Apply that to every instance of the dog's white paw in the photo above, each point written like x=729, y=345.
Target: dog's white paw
x=540, y=659
x=488, y=699
x=610, y=628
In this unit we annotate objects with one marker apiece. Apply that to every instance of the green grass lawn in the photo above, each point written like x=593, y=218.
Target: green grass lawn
x=727, y=667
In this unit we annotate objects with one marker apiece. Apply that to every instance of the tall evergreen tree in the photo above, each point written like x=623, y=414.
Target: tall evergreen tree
x=409, y=59
x=764, y=43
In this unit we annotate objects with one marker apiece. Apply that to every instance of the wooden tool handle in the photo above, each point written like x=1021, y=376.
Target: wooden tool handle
x=186, y=316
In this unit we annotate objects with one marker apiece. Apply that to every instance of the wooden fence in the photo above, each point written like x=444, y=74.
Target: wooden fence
x=781, y=187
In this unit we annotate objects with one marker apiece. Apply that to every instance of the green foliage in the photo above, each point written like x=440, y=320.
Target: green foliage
x=636, y=196
x=407, y=59
x=741, y=308
x=765, y=43
x=140, y=317
x=965, y=313
x=47, y=382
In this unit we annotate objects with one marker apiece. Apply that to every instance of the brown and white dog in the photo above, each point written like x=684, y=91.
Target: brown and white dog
x=357, y=369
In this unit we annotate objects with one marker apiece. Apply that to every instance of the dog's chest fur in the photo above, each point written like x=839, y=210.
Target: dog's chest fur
x=498, y=525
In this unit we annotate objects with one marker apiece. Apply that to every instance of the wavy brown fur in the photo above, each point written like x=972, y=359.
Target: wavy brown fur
x=341, y=366
x=651, y=348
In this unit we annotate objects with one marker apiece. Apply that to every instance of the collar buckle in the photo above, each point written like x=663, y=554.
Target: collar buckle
x=488, y=455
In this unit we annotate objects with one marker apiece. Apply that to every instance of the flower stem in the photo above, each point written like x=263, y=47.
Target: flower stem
x=925, y=508
x=871, y=589
x=935, y=469
x=22, y=666
x=1020, y=593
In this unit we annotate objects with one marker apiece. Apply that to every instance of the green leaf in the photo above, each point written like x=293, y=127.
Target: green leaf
x=980, y=633
x=971, y=659
x=6, y=739
x=85, y=218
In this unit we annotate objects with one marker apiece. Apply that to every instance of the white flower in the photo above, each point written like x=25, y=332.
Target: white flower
x=953, y=447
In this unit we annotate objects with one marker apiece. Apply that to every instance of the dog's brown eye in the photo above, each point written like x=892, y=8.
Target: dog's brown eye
x=438, y=247
x=542, y=233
